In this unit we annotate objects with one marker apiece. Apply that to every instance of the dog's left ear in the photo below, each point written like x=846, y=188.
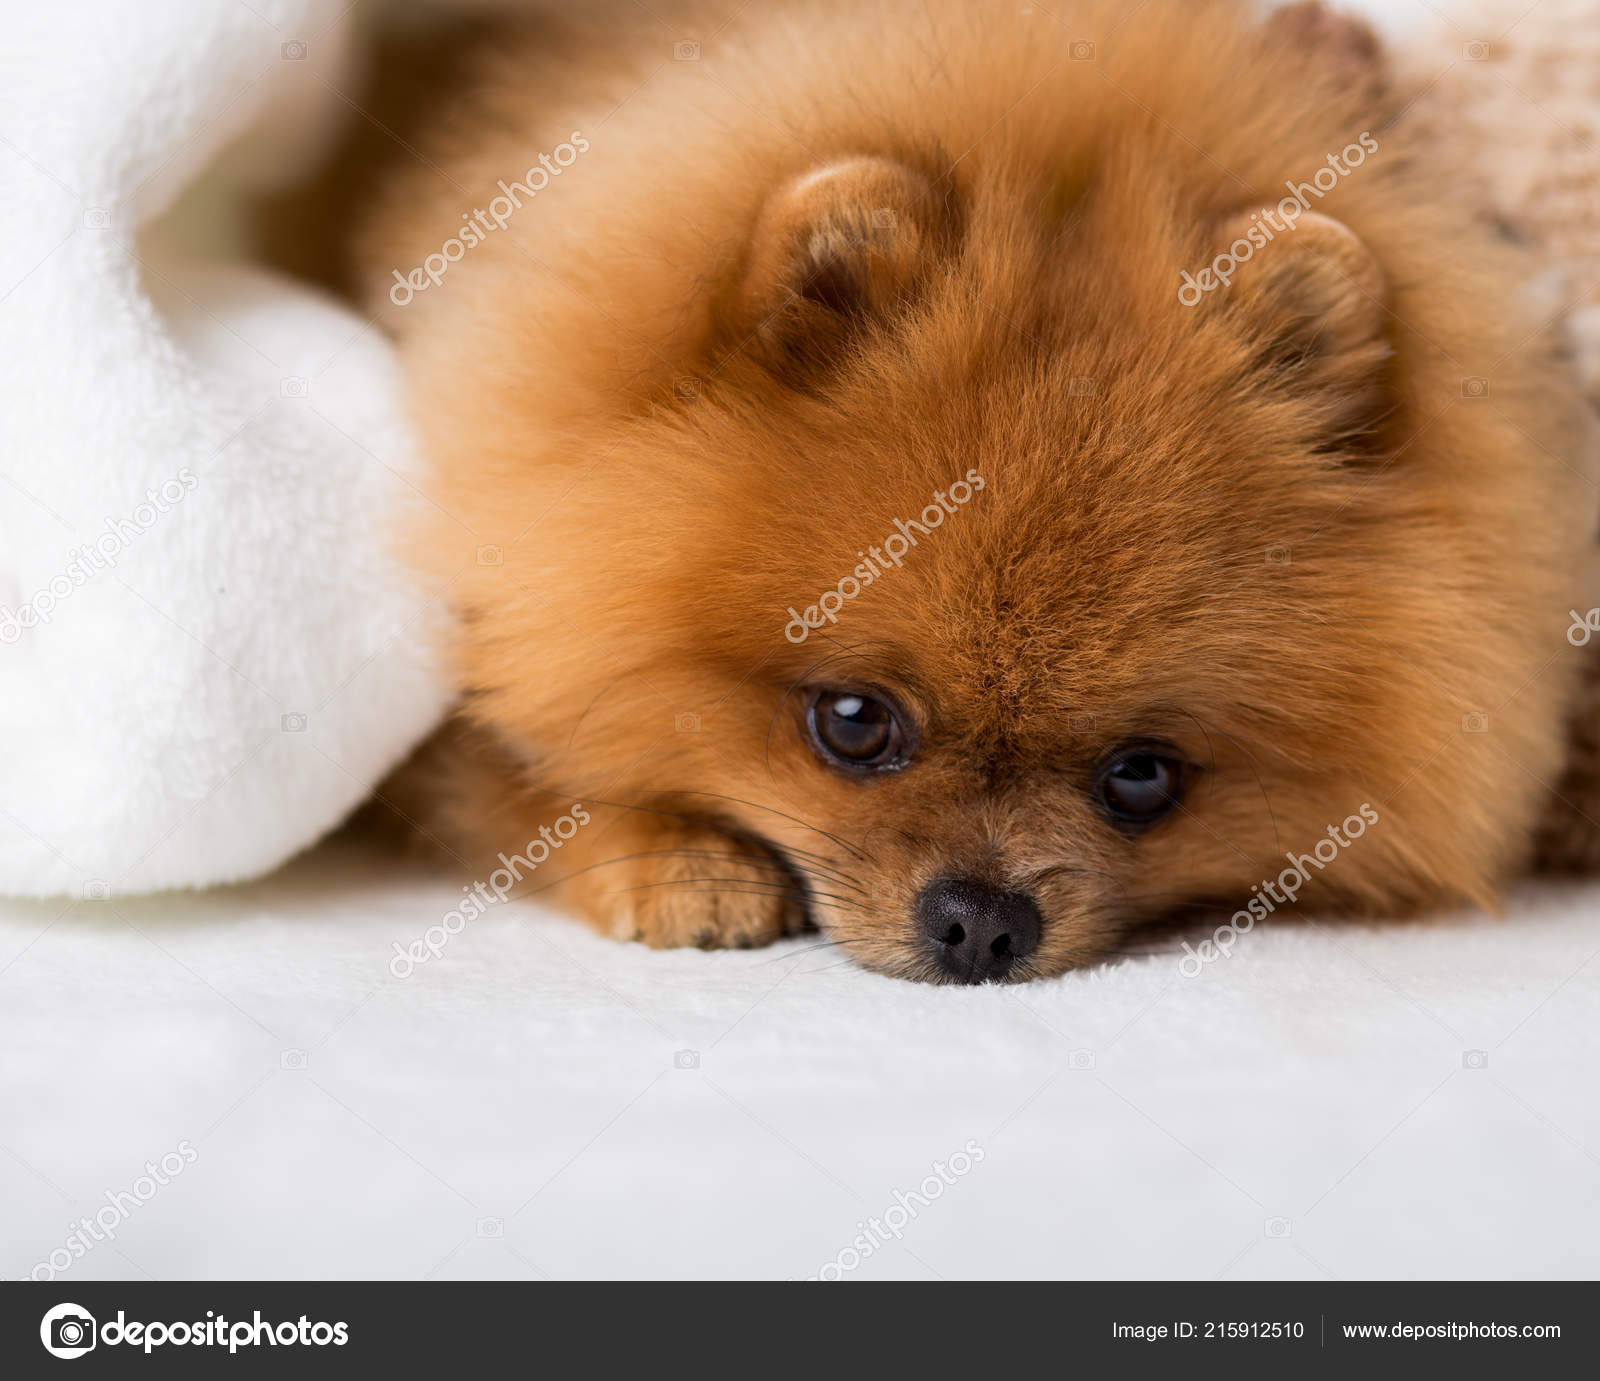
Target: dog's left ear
x=1343, y=47
x=1315, y=301
x=833, y=252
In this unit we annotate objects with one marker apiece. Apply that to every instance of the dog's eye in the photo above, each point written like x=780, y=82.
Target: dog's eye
x=856, y=730
x=1138, y=785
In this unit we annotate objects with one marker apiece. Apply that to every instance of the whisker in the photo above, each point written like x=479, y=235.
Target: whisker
x=531, y=789
x=809, y=949
x=915, y=841
x=832, y=968
x=606, y=690
x=684, y=815
x=755, y=887
x=773, y=810
x=807, y=854
x=651, y=853
x=834, y=879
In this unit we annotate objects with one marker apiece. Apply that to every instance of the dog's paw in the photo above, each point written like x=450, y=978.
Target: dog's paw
x=706, y=890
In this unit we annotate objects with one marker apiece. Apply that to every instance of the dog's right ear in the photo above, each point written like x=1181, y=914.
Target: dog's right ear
x=834, y=252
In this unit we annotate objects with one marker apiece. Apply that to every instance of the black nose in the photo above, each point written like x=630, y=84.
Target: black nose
x=977, y=932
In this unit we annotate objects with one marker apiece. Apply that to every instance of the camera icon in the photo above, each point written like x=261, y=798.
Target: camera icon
x=686, y=50
x=1475, y=723
x=1081, y=723
x=1082, y=388
x=293, y=724
x=293, y=387
x=687, y=387
x=1474, y=388
x=491, y=556
x=491, y=1227
x=686, y=1059
x=1081, y=51
x=1278, y=1227
x=96, y=218
x=96, y=889
x=294, y=50
x=292, y=1059
x=686, y=723
x=1475, y=51
x=884, y=218
x=1280, y=556
x=1081, y=1059
x=68, y=1330
x=1474, y=1059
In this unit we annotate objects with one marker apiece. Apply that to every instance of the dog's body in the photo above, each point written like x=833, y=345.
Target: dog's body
x=1203, y=572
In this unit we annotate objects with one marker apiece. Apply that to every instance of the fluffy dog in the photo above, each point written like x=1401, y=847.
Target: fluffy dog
x=974, y=479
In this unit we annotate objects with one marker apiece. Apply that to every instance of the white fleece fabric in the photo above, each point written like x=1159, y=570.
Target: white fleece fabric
x=537, y=1101
x=208, y=652
x=1330, y=1101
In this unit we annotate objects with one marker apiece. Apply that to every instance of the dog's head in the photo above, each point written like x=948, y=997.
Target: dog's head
x=1030, y=544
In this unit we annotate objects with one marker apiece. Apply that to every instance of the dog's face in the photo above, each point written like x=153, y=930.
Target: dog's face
x=1015, y=600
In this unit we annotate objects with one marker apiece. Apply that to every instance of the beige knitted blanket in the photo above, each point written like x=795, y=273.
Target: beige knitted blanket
x=1515, y=89
x=1512, y=96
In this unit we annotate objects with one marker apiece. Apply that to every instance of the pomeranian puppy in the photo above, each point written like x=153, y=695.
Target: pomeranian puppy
x=973, y=479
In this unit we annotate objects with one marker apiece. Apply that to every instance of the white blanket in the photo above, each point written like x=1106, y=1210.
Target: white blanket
x=208, y=654
x=1386, y=1101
